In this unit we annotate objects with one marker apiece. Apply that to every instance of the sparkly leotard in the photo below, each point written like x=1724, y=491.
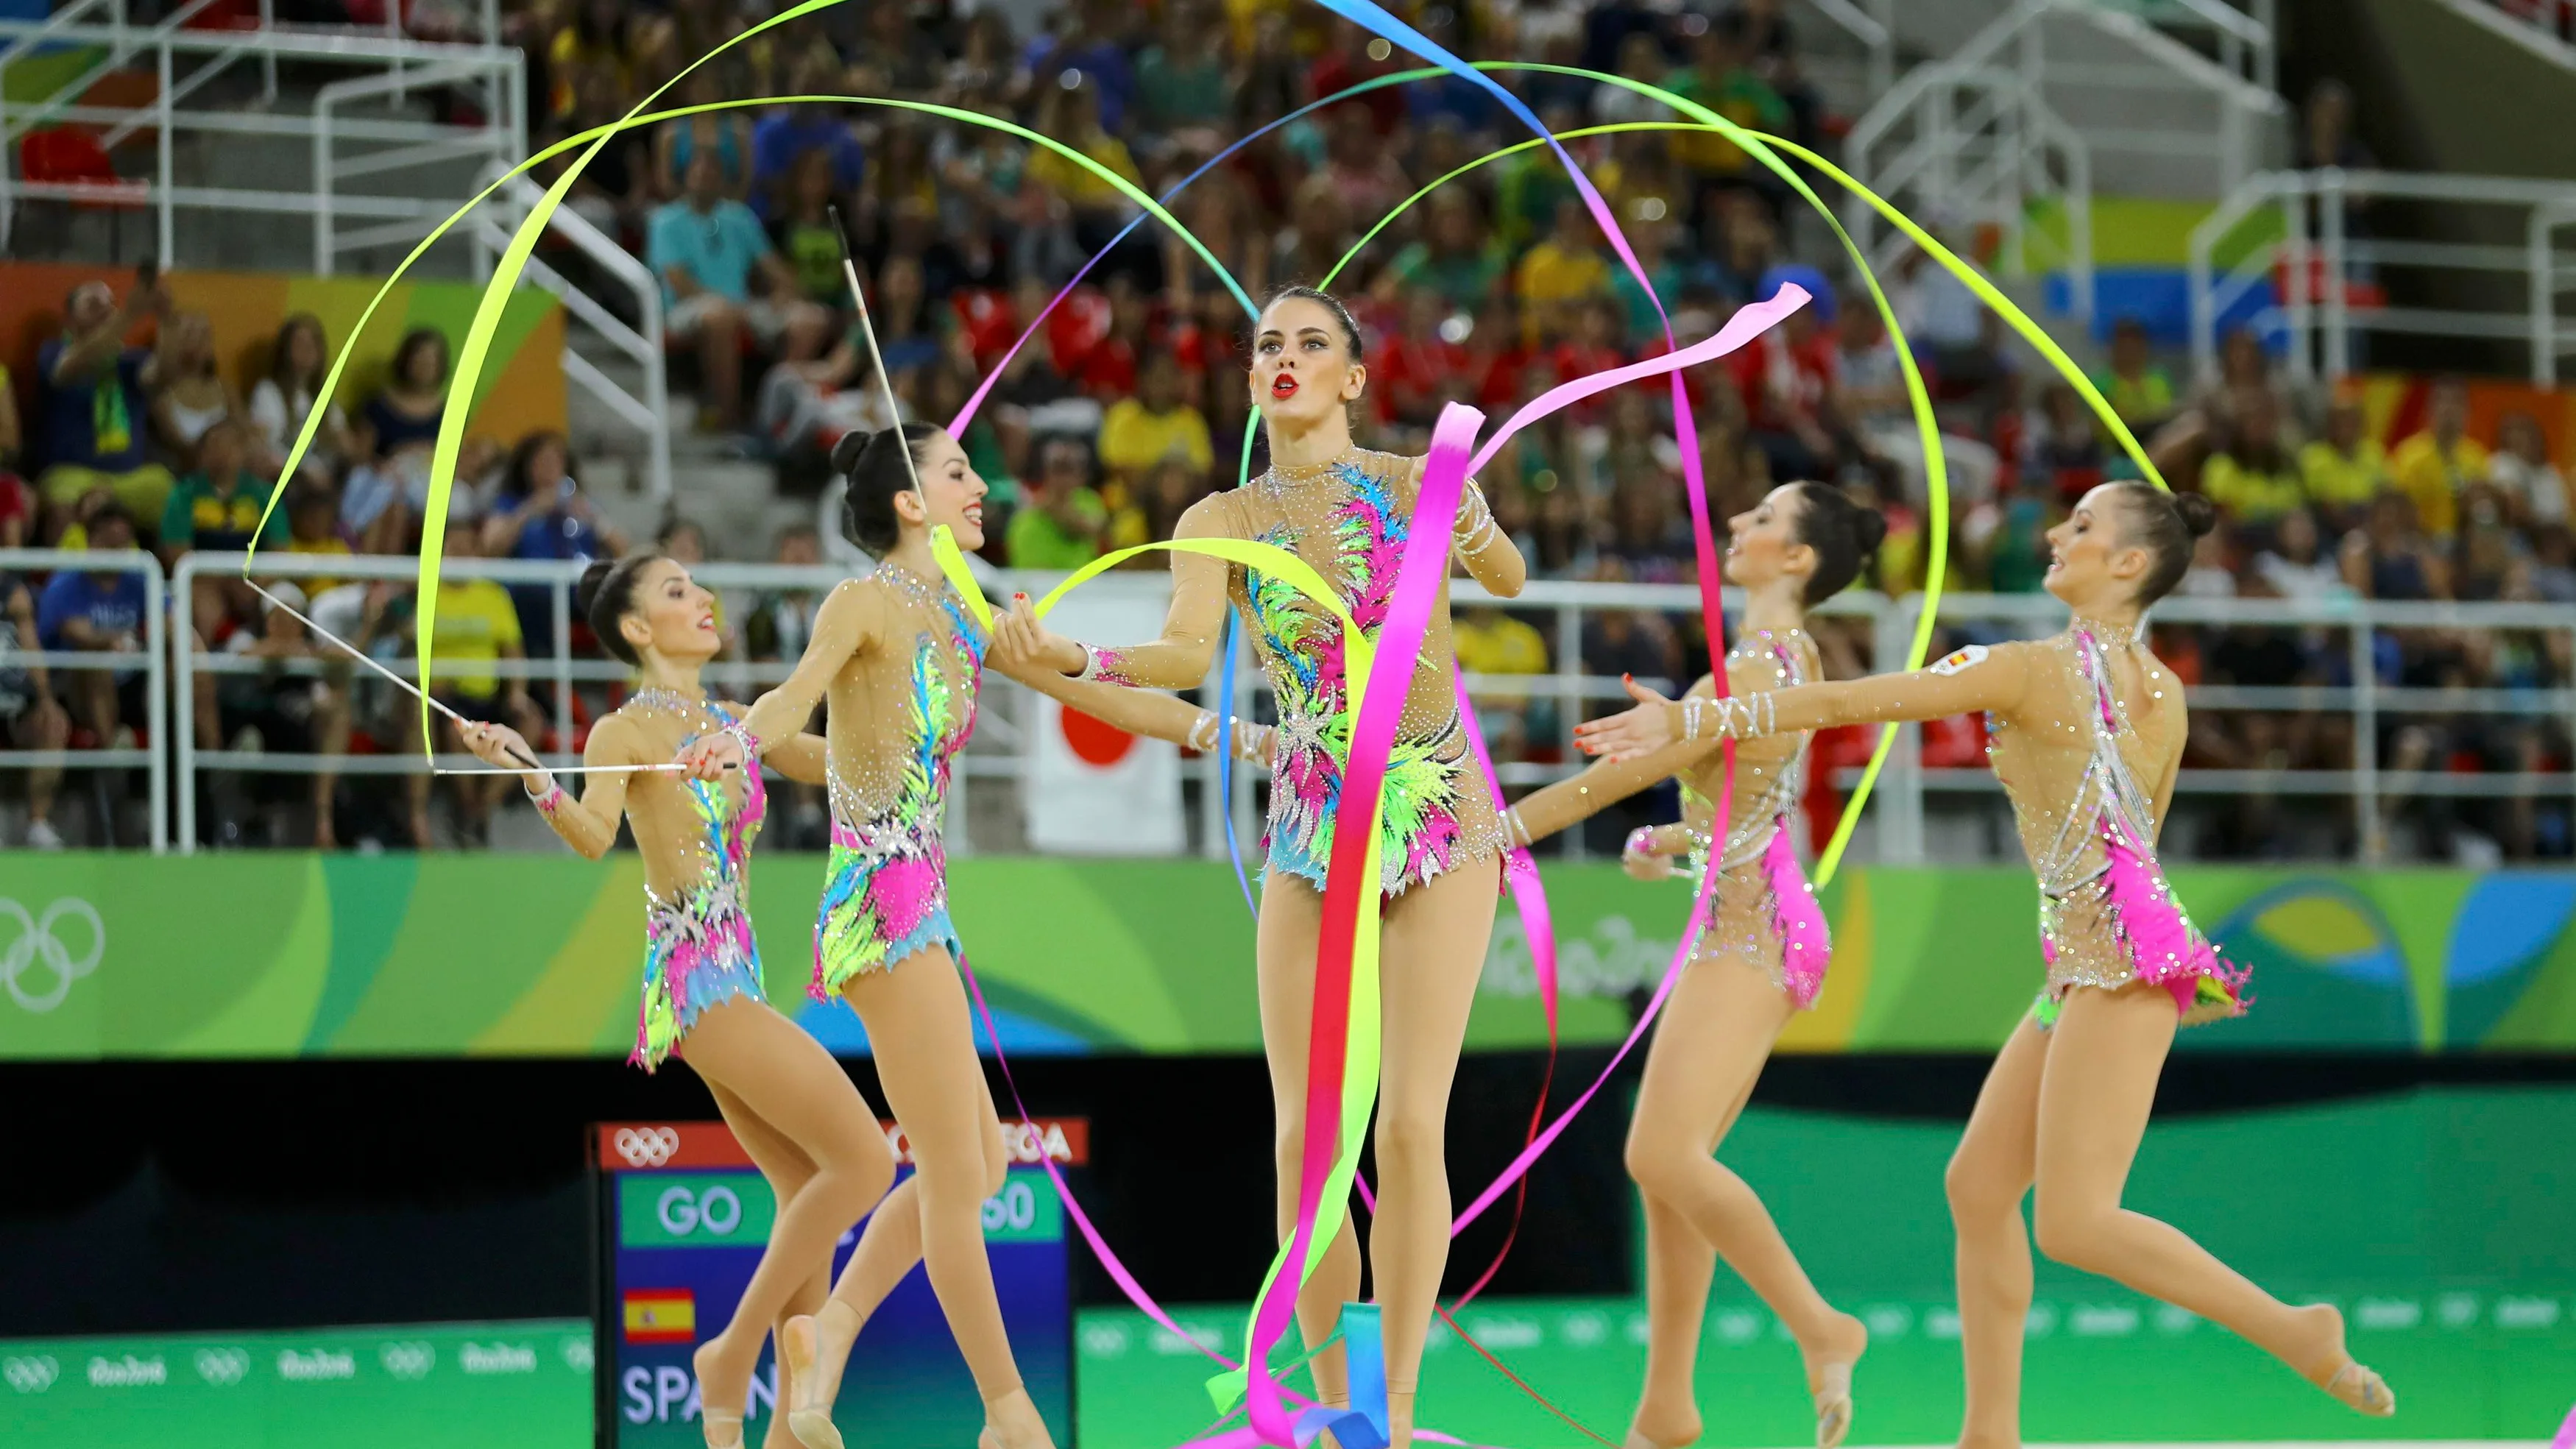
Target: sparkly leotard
x=1763, y=910
x=698, y=945
x=2072, y=757
x=900, y=714
x=1349, y=519
x=2106, y=915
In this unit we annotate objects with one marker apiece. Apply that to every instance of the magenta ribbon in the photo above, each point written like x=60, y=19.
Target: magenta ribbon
x=1420, y=576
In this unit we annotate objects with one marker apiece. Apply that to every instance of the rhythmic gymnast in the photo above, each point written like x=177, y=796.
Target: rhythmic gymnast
x=788, y=1102
x=1761, y=958
x=1346, y=512
x=2087, y=737
x=900, y=661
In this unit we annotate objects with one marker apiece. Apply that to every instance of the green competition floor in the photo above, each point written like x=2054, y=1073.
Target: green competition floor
x=2106, y=1368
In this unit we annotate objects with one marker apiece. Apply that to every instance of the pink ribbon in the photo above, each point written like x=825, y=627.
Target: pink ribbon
x=1420, y=576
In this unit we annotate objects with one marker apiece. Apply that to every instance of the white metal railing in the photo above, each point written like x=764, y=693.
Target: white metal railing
x=390, y=65
x=501, y=141
x=2307, y=241
x=1893, y=831
x=641, y=344
x=2546, y=28
x=1954, y=119
x=1984, y=145
x=1873, y=24
x=153, y=754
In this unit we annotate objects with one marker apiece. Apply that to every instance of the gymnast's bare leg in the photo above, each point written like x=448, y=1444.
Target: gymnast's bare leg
x=1708, y=1050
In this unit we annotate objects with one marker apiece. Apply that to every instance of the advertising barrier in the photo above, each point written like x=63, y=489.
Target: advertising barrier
x=295, y=955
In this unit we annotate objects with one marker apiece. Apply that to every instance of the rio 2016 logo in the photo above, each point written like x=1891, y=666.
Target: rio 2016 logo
x=685, y=1211
x=34, y=949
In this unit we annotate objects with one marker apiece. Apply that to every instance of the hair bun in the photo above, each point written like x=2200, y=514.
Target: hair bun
x=847, y=452
x=586, y=592
x=1869, y=529
x=2199, y=515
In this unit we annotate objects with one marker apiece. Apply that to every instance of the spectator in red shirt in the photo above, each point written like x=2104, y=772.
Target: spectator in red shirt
x=1788, y=376
x=1362, y=165
x=1496, y=354
x=1418, y=365
x=1594, y=347
x=1351, y=56
x=1109, y=368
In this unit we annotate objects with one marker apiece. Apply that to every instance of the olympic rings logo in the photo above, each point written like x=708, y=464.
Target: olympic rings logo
x=30, y=1375
x=222, y=1365
x=36, y=944
x=650, y=1147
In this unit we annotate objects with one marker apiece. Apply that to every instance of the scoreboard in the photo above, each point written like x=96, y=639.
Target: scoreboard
x=682, y=1215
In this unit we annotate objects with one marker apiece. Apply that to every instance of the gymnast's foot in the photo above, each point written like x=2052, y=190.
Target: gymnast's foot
x=1830, y=1352
x=1663, y=1426
x=1013, y=1422
x=809, y=1408
x=724, y=1391
x=2320, y=1356
x=1399, y=1419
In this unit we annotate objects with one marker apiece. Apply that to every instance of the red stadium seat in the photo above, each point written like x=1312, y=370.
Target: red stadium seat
x=71, y=156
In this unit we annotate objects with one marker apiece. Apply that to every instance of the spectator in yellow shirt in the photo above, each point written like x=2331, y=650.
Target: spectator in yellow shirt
x=1564, y=269
x=2139, y=390
x=1142, y=431
x=2252, y=479
x=2343, y=470
x=2433, y=466
x=1488, y=642
x=478, y=626
x=1077, y=124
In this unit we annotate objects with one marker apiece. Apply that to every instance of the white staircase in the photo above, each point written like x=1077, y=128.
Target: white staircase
x=2036, y=103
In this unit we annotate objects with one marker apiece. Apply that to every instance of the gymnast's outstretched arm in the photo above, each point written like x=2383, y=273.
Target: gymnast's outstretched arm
x=1154, y=715
x=1178, y=659
x=1972, y=680
x=589, y=824
x=804, y=759
x=851, y=619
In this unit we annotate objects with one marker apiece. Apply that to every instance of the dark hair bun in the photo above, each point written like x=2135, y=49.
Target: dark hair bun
x=2199, y=515
x=586, y=593
x=1869, y=530
x=878, y=466
x=846, y=452
x=1842, y=533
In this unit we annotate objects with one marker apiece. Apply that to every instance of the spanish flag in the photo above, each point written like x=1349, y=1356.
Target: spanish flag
x=661, y=1315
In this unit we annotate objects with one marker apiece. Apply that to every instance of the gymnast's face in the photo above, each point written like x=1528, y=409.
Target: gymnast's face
x=951, y=492
x=2091, y=565
x=672, y=616
x=1302, y=369
x=1762, y=544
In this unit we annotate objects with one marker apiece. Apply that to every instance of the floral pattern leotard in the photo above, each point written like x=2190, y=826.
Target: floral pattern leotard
x=698, y=944
x=1763, y=910
x=886, y=897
